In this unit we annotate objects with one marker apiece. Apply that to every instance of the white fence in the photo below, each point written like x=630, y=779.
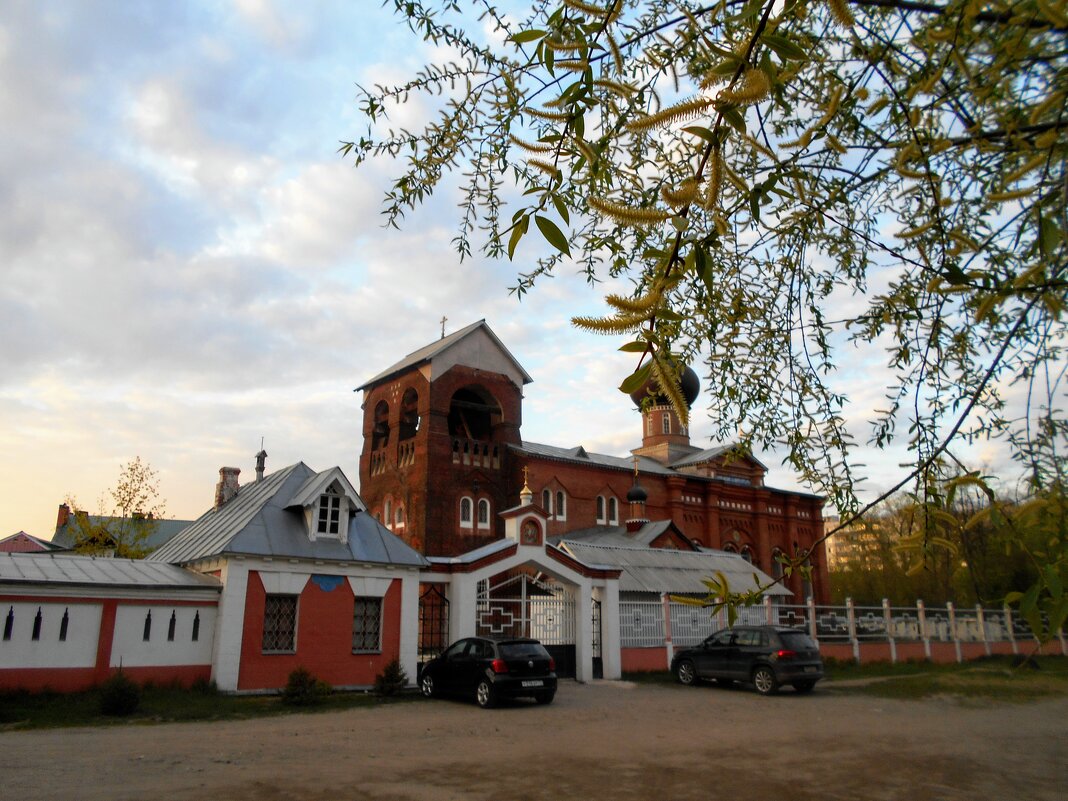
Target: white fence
x=642, y=623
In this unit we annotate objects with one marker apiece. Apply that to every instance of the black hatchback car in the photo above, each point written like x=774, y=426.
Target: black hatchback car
x=767, y=656
x=488, y=670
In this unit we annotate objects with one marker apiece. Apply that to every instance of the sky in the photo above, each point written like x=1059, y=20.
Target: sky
x=189, y=268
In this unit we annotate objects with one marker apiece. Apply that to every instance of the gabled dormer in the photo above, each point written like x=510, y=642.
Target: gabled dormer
x=328, y=502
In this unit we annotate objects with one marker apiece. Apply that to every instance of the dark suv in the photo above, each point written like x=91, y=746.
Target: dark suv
x=767, y=656
x=489, y=669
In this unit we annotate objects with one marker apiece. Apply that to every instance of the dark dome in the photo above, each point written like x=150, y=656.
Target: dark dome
x=691, y=386
x=637, y=494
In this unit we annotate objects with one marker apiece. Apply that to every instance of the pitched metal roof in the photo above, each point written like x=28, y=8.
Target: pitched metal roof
x=667, y=570
x=161, y=532
x=616, y=535
x=428, y=352
x=709, y=454
x=258, y=522
x=21, y=542
x=95, y=571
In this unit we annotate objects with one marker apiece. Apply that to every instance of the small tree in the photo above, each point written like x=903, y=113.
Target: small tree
x=136, y=510
x=391, y=680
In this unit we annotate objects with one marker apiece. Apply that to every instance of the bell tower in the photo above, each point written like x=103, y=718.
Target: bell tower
x=664, y=437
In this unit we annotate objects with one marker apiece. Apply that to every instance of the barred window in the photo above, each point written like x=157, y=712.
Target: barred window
x=465, y=512
x=367, y=626
x=280, y=624
x=483, y=513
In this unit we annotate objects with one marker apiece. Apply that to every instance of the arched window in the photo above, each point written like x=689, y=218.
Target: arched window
x=483, y=513
x=665, y=422
x=387, y=516
x=465, y=512
x=473, y=413
x=600, y=510
x=561, y=505
x=399, y=517
x=613, y=512
x=547, y=501
x=747, y=554
x=409, y=415
x=730, y=547
x=776, y=565
x=380, y=430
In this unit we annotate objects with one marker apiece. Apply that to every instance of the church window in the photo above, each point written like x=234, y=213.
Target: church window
x=465, y=512
x=171, y=626
x=329, y=522
x=196, y=627
x=473, y=414
x=613, y=512
x=601, y=519
x=398, y=519
x=483, y=513
x=649, y=425
x=380, y=426
x=280, y=624
x=665, y=422
x=387, y=518
x=747, y=553
x=367, y=626
x=37, y=625
x=547, y=501
x=64, y=625
x=9, y=623
x=409, y=420
x=561, y=505
x=146, y=635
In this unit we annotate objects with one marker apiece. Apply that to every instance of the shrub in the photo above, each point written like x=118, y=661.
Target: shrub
x=303, y=689
x=391, y=680
x=203, y=686
x=119, y=695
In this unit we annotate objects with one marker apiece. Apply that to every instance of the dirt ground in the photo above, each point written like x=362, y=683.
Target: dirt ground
x=610, y=740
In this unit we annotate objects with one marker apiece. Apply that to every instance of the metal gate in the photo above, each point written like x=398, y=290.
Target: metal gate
x=433, y=623
x=521, y=605
x=598, y=665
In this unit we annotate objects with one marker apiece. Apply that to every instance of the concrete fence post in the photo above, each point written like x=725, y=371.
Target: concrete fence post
x=813, y=629
x=921, y=618
x=1009, y=629
x=888, y=622
x=669, y=648
x=952, y=613
x=982, y=627
x=769, y=612
x=851, y=621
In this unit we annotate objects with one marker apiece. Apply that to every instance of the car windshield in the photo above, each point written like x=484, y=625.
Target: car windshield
x=797, y=640
x=522, y=650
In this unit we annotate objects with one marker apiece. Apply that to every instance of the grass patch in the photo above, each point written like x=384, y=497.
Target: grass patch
x=162, y=704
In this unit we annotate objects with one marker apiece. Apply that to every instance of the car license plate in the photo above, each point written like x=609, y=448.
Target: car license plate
x=532, y=683
x=810, y=669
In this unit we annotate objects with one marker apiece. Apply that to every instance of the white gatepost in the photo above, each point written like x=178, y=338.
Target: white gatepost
x=463, y=608
x=584, y=630
x=769, y=612
x=409, y=625
x=888, y=620
x=669, y=648
x=813, y=629
x=982, y=627
x=851, y=620
x=921, y=618
x=953, y=629
x=1009, y=629
x=611, y=656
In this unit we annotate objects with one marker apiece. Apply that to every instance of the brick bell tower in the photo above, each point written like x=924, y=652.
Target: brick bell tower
x=664, y=437
x=436, y=426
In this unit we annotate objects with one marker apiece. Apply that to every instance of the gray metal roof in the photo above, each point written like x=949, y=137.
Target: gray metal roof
x=668, y=570
x=95, y=571
x=257, y=522
x=163, y=531
x=709, y=454
x=428, y=352
x=473, y=556
x=615, y=535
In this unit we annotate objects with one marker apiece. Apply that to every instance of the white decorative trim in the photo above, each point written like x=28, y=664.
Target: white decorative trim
x=284, y=583
x=367, y=587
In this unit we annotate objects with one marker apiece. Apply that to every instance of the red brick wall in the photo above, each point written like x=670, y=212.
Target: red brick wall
x=324, y=638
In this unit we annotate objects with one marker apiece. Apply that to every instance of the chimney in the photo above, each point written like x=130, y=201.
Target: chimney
x=63, y=516
x=227, y=486
x=261, y=461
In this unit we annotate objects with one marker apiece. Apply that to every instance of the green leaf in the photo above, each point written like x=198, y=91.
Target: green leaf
x=635, y=347
x=1049, y=235
x=734, y=118
x=561, y=209
x=552, y=234
x=680, y=222
x=704, y=133
x=636, y=380
x=527, y=36
x=784, y=48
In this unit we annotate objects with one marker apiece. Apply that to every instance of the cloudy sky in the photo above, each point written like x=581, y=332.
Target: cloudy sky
x=188, y=266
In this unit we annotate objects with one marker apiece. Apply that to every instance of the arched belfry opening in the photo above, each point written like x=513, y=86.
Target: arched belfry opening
x=380, y=429
x=409, y=414
x=473, y=414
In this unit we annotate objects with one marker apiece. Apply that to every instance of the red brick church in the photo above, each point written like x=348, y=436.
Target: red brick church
x=443, y=456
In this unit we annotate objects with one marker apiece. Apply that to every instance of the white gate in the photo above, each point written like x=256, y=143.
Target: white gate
x=525, y=606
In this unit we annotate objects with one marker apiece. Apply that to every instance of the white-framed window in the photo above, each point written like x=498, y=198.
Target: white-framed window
x=665, y=422
x=649, y=424
x=387, y=515
x=398, y=517
x=547, y=501
x=613, y=512
x=280, y=624
x=367, y=626
x=483, y=513
x=601, y=518
x=466, y=512
x=328, y=523
x=561, y=505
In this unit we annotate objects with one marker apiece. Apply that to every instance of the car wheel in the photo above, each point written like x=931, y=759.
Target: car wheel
x=426, y=684
x=685, y=672
x=484, y=694
x=804, y=686
x=544, y=698
x=764, y=681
